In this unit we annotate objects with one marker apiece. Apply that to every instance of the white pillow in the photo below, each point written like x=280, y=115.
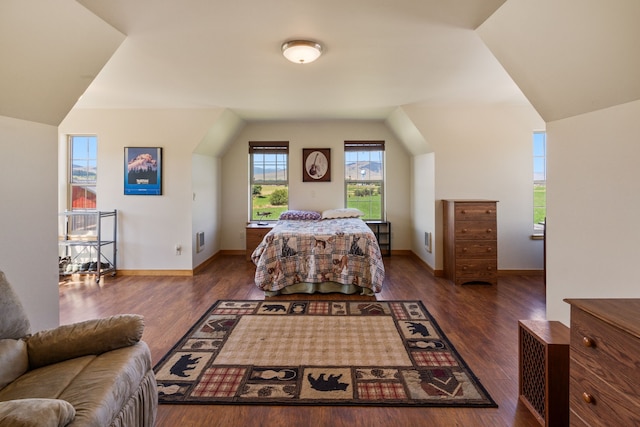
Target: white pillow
x=13, y=360
x=342, y=213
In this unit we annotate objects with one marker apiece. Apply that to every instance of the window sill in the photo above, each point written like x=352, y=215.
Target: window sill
x=537, y=237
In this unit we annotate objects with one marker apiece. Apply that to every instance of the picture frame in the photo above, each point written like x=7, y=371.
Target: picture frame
x=316, y=165
x=143, y=171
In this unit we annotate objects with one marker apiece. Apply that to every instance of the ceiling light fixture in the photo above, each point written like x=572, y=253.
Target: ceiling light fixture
x=301, y=51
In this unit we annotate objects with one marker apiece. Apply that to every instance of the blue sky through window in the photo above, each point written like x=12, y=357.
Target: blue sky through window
x=363, y=165
x=84, y=157
x=539, y=156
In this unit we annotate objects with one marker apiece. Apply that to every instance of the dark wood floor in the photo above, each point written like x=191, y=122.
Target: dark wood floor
x=480, y=320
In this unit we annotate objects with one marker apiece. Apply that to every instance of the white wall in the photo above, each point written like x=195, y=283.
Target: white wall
x=206, y=189
x=28, y=240
x=423, y=212
x=314, y=195
x=486, y=153
x=593, y=199
x=149, y=227
x=478, y=152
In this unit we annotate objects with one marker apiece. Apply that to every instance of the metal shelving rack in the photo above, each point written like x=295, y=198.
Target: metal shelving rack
x=382, y=231
x=88, y=243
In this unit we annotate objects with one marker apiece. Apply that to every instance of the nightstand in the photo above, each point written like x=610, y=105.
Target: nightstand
x=254, y=234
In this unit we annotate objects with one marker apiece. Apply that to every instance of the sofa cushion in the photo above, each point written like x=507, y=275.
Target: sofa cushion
x=101, y=390
x=14, y=322
x=13, y=360
x=47, y=382
x=92, y=337
x=96, y=386
x=36, y=413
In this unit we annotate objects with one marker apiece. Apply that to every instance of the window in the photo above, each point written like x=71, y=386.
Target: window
x=83, y=174
x=269, y=183
x=539, y=181
x=364, y=177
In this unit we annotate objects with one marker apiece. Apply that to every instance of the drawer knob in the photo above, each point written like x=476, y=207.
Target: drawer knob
x=489, y=268
x=464, y=230
x=464, y=249
x=464, y=268
x=488, y=211
x=489, y=249
x=588, y=398
x=489, y=230
x=463, y=211
x=588, y=342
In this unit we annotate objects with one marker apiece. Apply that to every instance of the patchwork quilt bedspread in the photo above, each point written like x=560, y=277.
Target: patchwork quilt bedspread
x=341, y=250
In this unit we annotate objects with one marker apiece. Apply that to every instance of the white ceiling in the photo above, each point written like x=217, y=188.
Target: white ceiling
x=567, y=57
x=379, y=54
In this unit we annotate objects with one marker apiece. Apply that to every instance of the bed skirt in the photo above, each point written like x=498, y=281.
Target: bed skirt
x=322, y=288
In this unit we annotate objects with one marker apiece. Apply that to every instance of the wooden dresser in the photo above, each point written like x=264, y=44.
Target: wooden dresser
x=470, y=241
x=254, y=234
x=604, y=387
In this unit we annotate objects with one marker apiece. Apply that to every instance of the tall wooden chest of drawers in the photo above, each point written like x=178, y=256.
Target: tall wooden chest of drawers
x=470, y=241
x=604, y=362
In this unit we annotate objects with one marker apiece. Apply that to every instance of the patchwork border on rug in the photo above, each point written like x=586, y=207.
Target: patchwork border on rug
x=382, y=353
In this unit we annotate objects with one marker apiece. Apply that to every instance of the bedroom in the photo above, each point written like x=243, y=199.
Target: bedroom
x=596, y=131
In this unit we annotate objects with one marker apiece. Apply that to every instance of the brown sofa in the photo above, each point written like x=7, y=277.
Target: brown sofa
x=93, y=373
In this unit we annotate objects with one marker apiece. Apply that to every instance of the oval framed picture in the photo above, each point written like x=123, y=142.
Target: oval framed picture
x=316, y=164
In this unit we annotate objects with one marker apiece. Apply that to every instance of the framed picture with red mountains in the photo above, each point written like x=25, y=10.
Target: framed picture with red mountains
x=143, y=171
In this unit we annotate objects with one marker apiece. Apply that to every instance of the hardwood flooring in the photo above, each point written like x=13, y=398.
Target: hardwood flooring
x=480, y=320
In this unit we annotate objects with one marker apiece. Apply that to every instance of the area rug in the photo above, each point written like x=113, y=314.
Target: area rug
x=318, y=353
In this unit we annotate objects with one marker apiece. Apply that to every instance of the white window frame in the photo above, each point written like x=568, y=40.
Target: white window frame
x=364, y=154
x=539, y=143
x=269, y=153
x=86, y=162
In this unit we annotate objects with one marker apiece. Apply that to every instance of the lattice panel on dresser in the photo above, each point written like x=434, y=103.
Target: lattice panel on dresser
x=544, y=370
x=533, y=371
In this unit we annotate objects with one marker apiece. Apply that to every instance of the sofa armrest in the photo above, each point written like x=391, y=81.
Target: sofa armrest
x=36, y=413
x=91, y=337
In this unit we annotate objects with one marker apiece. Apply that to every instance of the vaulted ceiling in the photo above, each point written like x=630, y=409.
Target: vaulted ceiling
x=562, y=57
x=212, y=54
x=569, y=57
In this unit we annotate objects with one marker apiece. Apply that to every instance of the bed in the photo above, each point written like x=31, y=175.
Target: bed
x=331, y=254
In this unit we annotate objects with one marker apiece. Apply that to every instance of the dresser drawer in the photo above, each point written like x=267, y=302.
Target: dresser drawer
x=476, y=249
x=576, y=421
x=608, y=407
x=475, y=212
x=478, y=230
x=612, y=354
x=476, y=268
